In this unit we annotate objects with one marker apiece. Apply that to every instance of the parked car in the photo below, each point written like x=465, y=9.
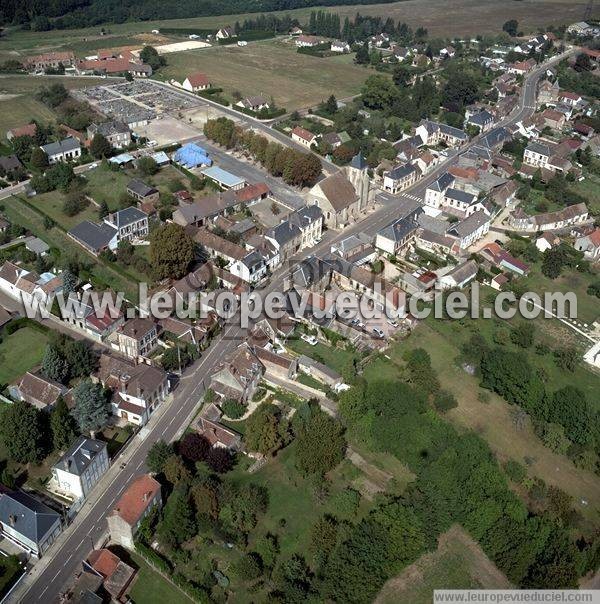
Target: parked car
x=378, y=332
x=310, y=339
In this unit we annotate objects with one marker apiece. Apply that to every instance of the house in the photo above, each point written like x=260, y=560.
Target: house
x=37, y=246
x=471, y=229
x=81, y=467
x=572, y=99
x=25, y=286
x=581, y=28
x=319, y=371
x=111, y=65
x=254, y=103
x=196, y=81
x=277, y=365
x=553, y=119
x=357, y=249
x=482, y=121
x=435, y=192
x=238, y=375
x=538, y=153
x=49, y=60
x=64, y=150
x=303, y=41
x=208, y=425
x=548, y=93
x=138, y=500
x=225, y=33
x=296, y=31
x=251, y=194
x=500, y=258
x=215, y=246
x=589, y=245
x=200, y=212
x=116, y=133
x=460, y=275
x=498, y=282
x=137, y=338
x=549, y=221
x=94, y=237
x=546, y=241
x=116, y=575
x=335, y=139
x=447, y=52
x=36, y=390
x=397, y=236
x=28, y=523
x=522, y=67
x=141, y=192
x=302, y=228
x=252, y=268
x=96, y=323
x=303, y=137
x=130, y=223
x=400, y=177
x=137, y=389
x=10, y=163
x=27, y=130
x=339, y=46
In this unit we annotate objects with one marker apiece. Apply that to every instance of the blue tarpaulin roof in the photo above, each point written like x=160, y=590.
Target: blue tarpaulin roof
x=191, y=155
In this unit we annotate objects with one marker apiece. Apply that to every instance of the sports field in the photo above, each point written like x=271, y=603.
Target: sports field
x=272, y=68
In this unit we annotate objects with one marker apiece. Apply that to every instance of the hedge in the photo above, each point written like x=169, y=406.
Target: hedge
x=17, y=324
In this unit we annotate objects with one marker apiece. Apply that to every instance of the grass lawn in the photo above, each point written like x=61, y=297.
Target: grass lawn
x=10, y=570
x=458, y=563
x=334, y=358
x=52, y=204
x=493, y=420
x=114, y=437
x=272, y=68
x=590, y=188
x=105, y=185
x=19, y=352
x=151, y=588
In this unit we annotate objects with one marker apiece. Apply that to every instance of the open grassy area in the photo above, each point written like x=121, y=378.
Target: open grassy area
x=18, y=105
x=52, y=204
x=458, y=563
x=493, y=420
x=465, y=17
x=335, y=358
x=151, y=588
x=19, y=352
x=273, y=68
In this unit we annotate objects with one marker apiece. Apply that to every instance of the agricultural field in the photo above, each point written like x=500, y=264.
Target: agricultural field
x=458, y=563
x=273, y=68
x=18, y=105
x=467, y=17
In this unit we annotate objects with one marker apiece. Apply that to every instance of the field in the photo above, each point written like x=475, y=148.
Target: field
x=18, y=105
x=493, y=420
x=26, y=348
x=458, y=563
x=467, y=17
x=272, y=68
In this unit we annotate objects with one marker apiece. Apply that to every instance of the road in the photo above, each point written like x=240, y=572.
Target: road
x=49, y=575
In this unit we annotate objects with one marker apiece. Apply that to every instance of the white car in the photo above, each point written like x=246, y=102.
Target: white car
x=392, y=323
x=310, y=339
x=93, y=166
x=378, y=332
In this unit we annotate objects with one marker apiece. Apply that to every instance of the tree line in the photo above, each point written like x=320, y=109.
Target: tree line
x=295, y=167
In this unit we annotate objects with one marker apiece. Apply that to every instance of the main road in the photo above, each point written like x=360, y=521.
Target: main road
x=49, y=576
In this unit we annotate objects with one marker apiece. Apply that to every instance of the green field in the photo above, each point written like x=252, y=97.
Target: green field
x=335, y=358
x=20, y=352
x=150, y=588
x=18, y=105
x=52, y=203
x=271, y=68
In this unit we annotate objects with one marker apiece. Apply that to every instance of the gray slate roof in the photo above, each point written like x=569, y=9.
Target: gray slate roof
x=127, y=216
x=28, y=516
x=81, y=454
x=140, y=187
x=400, y=172
x=64, y=146
x=95, y=236
x=443, y=182
x=461, y=196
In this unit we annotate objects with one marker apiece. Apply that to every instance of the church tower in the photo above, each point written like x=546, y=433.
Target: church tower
x=358, y=176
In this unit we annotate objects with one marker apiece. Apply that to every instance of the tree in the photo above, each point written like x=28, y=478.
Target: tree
x=38, y=159
x=157, y=456
x=320, y=445
x=103, y=209
x=175, y=470
x=583, y=63
x=523, y=334
x=263, y=433
x=54, y=365
x=233, y=409
x=171, y=251
x=92, y=406
x=362, y=55
x=205, y=495
x=194, y=447
x=566, y=358
x=147, y=166
x=100, y=147
x=444, y=401
x=63, y=426
x=378, y=92
x=330, y=106
x=511, y=27
x=69, y=282
x=401, y=75
x=220, y=460
x=571, y=410
x=177, y=524
x=80, y=358
x=22, y=432
x=248, y=567
x=150, y=56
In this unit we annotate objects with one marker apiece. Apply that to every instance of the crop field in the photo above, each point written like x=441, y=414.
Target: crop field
x=272, y=68
x=440, y=17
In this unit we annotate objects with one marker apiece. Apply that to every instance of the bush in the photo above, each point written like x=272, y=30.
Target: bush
x=233, y=409
x=444, y=401
x=515, y=471
x=248, y=567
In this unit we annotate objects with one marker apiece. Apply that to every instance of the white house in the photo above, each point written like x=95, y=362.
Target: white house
x=81, y=467
x=64, y=150
x=434, y=194
x=25, y=286
x=471, y=229
x=303, y=136
x=251, y=268
x=459, y=276
x=339, y=46
x=589, y=245
x=195, y=82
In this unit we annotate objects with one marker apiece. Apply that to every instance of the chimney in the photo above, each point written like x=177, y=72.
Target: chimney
x=12, y=519
x=145, y=497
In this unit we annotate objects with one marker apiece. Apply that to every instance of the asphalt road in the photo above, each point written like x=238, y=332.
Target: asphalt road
x=49, y=576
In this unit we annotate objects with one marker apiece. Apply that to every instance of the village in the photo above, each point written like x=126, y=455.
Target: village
x=193, y=191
